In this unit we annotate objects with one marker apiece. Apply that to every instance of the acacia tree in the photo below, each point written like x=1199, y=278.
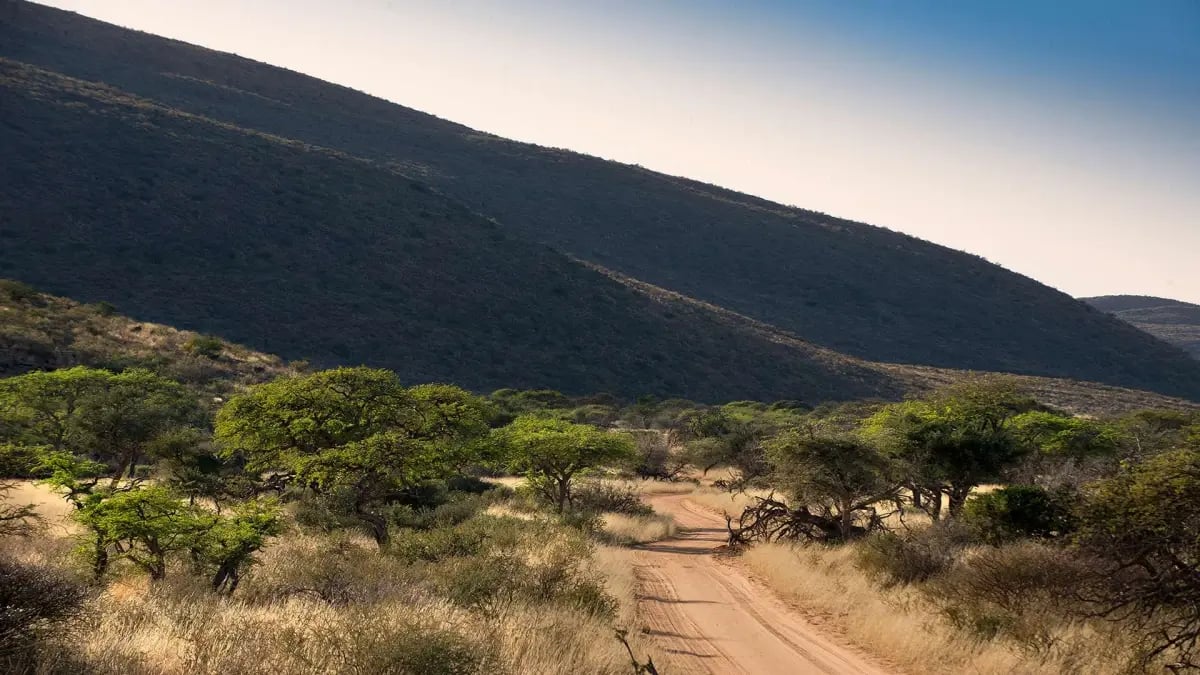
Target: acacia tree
x=1143, y=527
x=953, y=441
x=720, y=438
x=843, y=476
x=353, y=431
x=107, y=417
x=145, y=526
x=551, y=453
x=227, y=543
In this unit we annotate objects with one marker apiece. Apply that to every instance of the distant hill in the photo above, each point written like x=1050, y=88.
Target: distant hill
x=39, y=331
x=302, y=218
x=1170, y=320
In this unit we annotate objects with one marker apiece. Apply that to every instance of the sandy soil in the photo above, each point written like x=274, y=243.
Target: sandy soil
x=705, y=615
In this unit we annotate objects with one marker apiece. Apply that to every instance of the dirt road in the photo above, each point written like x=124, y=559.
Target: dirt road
x=705, y=615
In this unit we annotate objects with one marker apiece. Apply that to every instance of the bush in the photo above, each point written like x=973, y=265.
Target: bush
x=1018, y=591
x=916, y=557
x=449, y=514
x=600, y=497
x=36, y=603
x=1019, y=511
x=20, y=461
x=17, y=291
x=205, y=346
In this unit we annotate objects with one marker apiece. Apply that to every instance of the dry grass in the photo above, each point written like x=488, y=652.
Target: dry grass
x=53, y=511
x=724, y=502
x=321, y=604
x=902, y=626
x=619, y=528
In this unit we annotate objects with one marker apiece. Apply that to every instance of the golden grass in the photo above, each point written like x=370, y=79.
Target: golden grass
x=902, y=626
x=619, y=528
x=53, y=511
x=720, y=501
x=321, y=604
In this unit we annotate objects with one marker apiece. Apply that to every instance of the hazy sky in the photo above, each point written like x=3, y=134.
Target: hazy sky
x=1059, y=138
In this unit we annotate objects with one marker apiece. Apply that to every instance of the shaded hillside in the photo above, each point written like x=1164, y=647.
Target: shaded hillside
x=313, y=254
x=43, y=332
x=1169, y=320
x=858, y=289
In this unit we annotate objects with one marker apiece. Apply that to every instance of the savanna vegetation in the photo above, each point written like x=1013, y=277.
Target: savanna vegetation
x=1010, y=536
x=339, y=516
x=358, y=523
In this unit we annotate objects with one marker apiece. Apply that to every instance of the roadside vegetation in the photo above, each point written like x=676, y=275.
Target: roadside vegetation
x=354, y=523
x=973, y=529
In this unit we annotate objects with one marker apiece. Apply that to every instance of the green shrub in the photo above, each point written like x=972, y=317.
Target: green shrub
x=17, y=291
x=204, y=346
x=915, y=557
x=440, y=544
x=602, y=497
x=20, y=461
x=1019, y=511
x=430, y=652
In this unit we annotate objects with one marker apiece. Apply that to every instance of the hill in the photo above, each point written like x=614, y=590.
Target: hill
x=1169, y=320
x=302, y=218
x=309, y=253
x=43, y=332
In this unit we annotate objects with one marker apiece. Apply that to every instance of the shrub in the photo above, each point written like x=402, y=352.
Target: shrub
x=1019, y=511
x=440, y=544
x=36, y=602
x=17, y=291
x=1016, y=591
x=449, y=514
x=604, y=497
x=20, y=461
x=205, y=346
x=916, y=557
x=332, y=568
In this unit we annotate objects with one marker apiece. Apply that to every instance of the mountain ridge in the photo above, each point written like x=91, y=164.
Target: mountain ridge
x=1172, y=321
x=855, y=289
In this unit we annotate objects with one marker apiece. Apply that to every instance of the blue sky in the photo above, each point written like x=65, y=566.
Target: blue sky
x=1058, y=138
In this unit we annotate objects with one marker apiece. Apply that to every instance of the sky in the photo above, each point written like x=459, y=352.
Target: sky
x=1059, y=139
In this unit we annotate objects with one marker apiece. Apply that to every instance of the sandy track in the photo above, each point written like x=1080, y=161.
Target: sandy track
x=705, y=615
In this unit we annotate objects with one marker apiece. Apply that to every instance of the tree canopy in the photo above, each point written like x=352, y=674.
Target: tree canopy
x=354, y=431
x=552, y=452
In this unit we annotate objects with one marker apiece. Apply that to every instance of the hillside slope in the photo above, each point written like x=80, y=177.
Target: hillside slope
x=310, y=253
x=44, y=332
x=1169, y=320
x=849, y=287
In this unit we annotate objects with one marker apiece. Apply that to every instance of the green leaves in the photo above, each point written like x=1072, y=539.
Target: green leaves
x=551, y=452
x=108, y=417
x=354, y=429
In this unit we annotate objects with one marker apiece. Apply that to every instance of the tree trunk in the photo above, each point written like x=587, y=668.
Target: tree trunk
x=958, y=499
x=564, y=494
x=378, y=527
x=847, y=519
x=99, y=558
x=916, y=496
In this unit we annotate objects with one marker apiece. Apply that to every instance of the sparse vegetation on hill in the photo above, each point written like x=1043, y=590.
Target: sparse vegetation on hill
x=1170, y=320
x=305, y=219
x=42, y=332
